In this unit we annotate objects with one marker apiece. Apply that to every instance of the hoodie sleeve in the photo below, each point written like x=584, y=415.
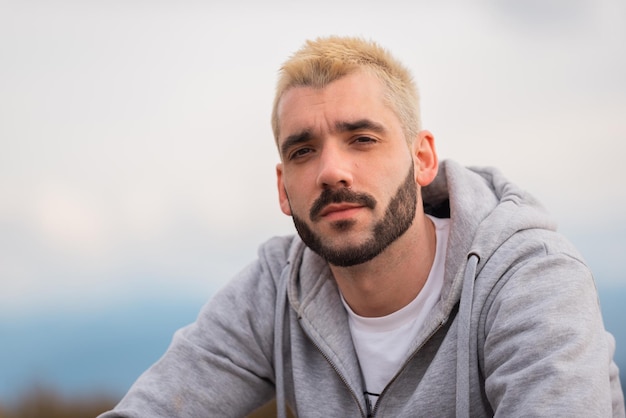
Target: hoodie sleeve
x=221, y=365
x=546, y=350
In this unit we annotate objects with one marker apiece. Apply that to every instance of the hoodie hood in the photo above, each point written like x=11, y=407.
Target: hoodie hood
x=485, y=211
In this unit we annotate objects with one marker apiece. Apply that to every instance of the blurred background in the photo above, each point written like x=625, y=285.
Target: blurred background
x=137, y=160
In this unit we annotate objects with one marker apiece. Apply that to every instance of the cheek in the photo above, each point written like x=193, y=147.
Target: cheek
x=292, y=200
x=285, y=207
x=297, y=201
x=399, y=179
x=299, y=189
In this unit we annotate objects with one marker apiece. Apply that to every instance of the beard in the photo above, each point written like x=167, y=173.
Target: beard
x=397, y=219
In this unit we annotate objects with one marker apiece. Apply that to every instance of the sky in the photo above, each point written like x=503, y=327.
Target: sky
x=137, y=159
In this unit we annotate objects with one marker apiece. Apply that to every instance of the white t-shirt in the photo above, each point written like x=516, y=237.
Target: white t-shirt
x=382, y=343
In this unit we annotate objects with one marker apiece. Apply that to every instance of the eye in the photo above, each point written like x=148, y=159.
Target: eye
x=300, y=153
x=364, y=140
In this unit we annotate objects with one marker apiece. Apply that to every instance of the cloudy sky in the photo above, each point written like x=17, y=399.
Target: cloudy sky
x=136, y=156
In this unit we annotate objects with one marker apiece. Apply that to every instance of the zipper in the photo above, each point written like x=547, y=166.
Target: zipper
x=341, y=377
x=406, y=363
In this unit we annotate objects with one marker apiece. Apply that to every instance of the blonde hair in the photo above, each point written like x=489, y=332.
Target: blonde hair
x=324, y=60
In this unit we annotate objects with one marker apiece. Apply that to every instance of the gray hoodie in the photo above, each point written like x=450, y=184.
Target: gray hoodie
x=517, y=331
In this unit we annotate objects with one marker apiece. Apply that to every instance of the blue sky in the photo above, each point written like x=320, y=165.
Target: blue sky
x=137, y=157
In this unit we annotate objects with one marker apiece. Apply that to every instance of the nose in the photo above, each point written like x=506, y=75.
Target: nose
x=334, y=169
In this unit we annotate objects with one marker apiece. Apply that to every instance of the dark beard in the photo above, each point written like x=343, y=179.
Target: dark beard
x=397, y=219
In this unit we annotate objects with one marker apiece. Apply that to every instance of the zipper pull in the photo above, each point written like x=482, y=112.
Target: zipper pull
x=368, y=405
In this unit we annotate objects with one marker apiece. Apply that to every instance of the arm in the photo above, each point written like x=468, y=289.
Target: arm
x=546, y=350
x=221, y=365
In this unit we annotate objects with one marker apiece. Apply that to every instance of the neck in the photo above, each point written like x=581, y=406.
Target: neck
x=395, y=277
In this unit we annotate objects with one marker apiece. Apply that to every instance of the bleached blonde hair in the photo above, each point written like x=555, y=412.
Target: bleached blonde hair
x=325, y=60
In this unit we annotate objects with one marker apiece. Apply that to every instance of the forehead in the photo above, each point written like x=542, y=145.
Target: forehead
x=356, y=96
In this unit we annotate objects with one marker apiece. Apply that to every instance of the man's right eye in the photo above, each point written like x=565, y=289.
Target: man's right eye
x=299, y=153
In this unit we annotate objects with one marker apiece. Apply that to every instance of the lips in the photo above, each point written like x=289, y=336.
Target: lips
x=331, y=201
x=334, y=208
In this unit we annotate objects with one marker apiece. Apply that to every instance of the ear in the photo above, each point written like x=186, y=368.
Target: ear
x=425, y=158
x=283, y=200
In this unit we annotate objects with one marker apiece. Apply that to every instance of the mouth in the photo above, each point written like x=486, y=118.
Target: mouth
x=339, y=210
x=334, y=203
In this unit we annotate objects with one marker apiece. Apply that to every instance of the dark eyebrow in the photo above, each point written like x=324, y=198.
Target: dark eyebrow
x=361, y=124
x=293, y=140
x=343, y=126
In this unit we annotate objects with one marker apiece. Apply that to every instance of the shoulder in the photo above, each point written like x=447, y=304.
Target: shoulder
x=278, y=252
x=535, y=269
x=541, y=246
x=277, y=248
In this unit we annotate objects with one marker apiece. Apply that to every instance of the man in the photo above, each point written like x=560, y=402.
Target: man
x=413, y=288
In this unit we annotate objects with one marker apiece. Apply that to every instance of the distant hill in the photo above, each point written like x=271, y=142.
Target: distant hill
x=86, y=354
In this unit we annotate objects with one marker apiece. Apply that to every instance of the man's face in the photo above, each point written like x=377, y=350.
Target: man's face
x=347, y=176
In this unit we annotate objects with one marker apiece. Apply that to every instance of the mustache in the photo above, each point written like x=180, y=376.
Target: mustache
x=330, y=196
